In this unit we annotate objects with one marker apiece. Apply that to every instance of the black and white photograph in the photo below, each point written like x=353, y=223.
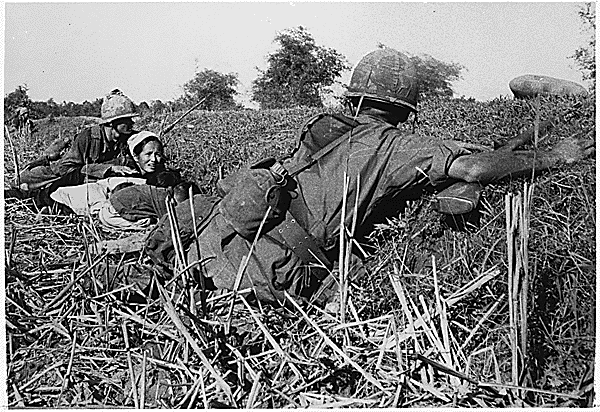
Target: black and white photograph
x=274, y=205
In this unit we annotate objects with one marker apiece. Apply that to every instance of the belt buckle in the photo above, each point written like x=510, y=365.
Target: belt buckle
x=279, y=172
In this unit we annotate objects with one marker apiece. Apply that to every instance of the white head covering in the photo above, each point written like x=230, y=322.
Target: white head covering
x=138, y=138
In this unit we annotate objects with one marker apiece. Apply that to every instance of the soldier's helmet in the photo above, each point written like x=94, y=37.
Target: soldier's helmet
x=116, y=106
x=387, y=76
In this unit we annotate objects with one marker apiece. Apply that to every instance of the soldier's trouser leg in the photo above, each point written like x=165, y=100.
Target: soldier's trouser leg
x=41, y=190
x=38, y=175
x=72, y=178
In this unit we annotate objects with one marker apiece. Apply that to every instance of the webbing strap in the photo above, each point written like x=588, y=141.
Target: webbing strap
x=294, y=169
x=304, y=246
x=294, y=235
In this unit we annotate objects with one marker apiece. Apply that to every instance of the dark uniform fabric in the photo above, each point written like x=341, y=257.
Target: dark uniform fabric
x=90, y=155
x=138, y=202
x=93, y=154
x=159, y=244
x=384, y=165
x=89, y=158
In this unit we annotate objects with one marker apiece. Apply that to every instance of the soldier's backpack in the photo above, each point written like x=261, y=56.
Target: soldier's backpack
x=249, y=194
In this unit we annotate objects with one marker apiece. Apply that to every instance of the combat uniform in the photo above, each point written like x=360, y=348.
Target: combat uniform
x=384, y=166
x=387, y=165
x=89, y=158
x=138, y=202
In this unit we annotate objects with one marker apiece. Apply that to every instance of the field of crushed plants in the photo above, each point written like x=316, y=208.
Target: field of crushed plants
x=462, y=314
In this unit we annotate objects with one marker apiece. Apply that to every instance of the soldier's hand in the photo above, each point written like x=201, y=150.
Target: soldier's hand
x=572, y=150
x=55, y=149
x=123, y=170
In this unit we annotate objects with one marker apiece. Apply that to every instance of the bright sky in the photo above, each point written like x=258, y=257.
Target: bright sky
x=81, y=51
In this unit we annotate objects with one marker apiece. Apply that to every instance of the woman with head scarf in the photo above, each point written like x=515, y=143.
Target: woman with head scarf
x=148, y=153
x=147, y=168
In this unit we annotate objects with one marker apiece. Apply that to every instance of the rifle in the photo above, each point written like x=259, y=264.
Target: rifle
x=172, y=125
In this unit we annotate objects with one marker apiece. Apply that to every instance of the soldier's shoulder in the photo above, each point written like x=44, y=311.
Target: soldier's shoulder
x=331, y=118
x=88, y=131
x=329, y=122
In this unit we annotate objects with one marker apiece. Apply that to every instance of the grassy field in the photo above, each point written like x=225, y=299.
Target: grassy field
x=444, y=316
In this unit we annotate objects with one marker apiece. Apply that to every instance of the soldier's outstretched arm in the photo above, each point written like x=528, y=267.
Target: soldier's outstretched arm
x=493, y=166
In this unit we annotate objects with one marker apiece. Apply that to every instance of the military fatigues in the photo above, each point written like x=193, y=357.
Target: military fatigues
x=138, y=202
x=388, y=165
x=90, y=157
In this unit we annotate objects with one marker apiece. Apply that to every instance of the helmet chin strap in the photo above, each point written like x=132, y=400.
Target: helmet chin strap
x=362, y=97
x=359, y=105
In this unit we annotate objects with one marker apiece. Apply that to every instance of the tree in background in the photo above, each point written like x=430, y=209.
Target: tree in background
x=220, y=86
x=41, y=109
x=44, y=109
x=143, y=108
x=158, y=107
x=435, y=76
x=16, y=99
x=298, y=72
x=91, y=108
x=585, y=57
x=49, y=108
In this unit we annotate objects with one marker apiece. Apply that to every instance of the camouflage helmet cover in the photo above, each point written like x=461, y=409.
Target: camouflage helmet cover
x=116, y=106
x=385, y=75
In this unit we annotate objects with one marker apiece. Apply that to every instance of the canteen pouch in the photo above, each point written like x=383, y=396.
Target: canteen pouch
x=248, y=195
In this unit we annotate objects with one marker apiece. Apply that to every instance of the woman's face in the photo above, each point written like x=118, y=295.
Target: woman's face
x=151, y=157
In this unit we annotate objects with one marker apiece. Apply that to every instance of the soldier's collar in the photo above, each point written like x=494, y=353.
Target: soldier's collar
x=368, y=118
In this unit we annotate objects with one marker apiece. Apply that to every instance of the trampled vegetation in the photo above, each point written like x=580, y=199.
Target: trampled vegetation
x=429, y=325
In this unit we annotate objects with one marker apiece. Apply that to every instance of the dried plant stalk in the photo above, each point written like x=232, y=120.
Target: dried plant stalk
x=517, y=232
x=170, y=309
x=333, y=346
x=342, y=253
